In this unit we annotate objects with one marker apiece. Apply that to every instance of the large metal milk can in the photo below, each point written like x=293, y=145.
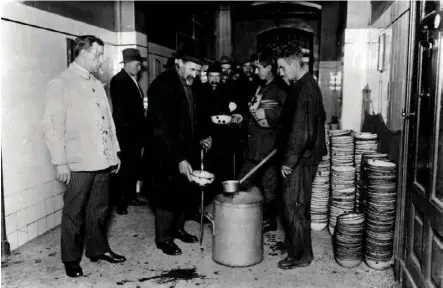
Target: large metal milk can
x=238, y=229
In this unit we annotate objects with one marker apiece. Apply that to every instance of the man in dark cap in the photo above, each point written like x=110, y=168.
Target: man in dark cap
x=175, y=149
x=214, y=99
x=263, y=126
x=226, y=67
x=128, y=114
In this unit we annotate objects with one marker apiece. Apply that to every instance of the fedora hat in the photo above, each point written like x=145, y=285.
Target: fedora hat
x=131, y=54
x=190, y=51
x=214, y=68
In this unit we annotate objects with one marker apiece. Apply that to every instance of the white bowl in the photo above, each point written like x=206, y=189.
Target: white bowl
x=221, y=119
x=318, y=226
x=378, y=265
x=348, y=263
x=202, y=178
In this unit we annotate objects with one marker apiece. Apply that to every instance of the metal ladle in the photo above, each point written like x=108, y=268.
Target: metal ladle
x=232, y=186
x=202, y=201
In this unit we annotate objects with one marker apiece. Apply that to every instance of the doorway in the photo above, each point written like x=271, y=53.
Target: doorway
x=419, y=259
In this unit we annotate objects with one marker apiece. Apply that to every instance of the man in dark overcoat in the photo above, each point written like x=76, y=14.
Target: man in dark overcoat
x=214, y=100
x=174, y=147
x=263, y=125
x=302, y=148
x=128, y=114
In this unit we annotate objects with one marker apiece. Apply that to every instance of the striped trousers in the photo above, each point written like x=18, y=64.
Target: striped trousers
x=85, y=215
x=297, y=190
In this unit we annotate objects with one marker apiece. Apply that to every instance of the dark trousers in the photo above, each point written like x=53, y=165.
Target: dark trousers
x=266, y=178
x=219, y=161
x=85, y=215
x=124, y=183
x=167, y=223
x=297, y=189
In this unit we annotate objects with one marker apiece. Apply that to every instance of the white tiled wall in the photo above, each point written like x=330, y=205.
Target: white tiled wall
x=360, y=65
x=30, y=58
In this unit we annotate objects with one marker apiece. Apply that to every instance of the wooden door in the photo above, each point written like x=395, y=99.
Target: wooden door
x=423, y=257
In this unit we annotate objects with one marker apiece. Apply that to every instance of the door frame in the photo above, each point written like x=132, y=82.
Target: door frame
x=401, y=228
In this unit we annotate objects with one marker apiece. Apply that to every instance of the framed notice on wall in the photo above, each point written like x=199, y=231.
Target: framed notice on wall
x=381, y=52
x=70, y=45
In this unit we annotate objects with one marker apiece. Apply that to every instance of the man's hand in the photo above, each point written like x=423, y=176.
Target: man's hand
x=237, y=118
x=285, y=171
x=206, y=143
x=185, y=169
x=259, y=114
x=115, y=171
x=63, y=174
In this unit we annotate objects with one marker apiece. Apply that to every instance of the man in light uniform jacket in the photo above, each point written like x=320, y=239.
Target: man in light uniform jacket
x=81, y=139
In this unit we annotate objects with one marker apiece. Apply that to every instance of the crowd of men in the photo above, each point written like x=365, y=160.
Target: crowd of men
x=92, y=146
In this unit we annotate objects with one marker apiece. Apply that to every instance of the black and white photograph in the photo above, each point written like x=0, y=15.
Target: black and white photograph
x=221, y=144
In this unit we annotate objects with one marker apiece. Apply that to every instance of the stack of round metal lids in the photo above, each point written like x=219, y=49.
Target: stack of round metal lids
x=320, y=195
x=381, y=197
x=365, y=143
x=342, y=148
x=348, y=239
x=343, y=193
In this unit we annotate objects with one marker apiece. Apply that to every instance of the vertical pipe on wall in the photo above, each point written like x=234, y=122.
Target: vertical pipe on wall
x=223, y=24
x=6, y=248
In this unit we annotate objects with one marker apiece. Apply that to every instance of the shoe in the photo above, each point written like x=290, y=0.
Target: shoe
x=169, y=248
x=185, y=236
x=122, y=211
x=73, y=269
x=291, y=263
x=109, y=256
x=137, y=202
x=269, y=225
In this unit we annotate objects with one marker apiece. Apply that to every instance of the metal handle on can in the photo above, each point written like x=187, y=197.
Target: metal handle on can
x=210, y=217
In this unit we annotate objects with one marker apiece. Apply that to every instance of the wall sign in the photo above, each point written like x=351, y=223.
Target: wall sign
x=381, y=52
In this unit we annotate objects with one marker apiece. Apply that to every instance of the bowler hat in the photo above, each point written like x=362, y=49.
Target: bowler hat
x=170, y=63
x=131, y=54
x=214, y=68
x=190, y=51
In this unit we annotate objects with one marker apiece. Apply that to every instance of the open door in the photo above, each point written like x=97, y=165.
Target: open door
x=422, y=261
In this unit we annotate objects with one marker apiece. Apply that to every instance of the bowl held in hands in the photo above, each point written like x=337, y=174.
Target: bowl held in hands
x=202, y=178
x=221, y=119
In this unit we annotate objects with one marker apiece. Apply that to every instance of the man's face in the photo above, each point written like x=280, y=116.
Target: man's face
x=226, y=71
x=214, y=79
x=262, y=71
x=288, y=69
x=188, y=71
x=247, y=69
x=133, y=67
x=93, y=58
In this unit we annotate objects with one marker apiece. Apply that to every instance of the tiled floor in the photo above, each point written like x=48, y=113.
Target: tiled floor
x=37, y=264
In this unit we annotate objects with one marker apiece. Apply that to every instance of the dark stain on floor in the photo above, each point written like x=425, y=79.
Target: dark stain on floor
x=173, y=276
x=123, y=282
x=277, y=247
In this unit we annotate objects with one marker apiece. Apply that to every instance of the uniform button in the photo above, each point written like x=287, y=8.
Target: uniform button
x=103, y=117
x=93, y=90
